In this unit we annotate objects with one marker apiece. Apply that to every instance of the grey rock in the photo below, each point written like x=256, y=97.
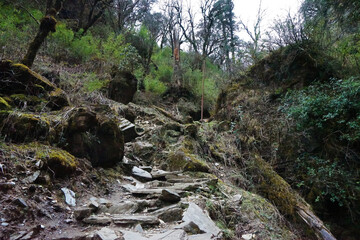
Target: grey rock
x=135, y=219
x=149, y=193
x=83, y=212
x=98, y=220
x=21, y=203
x=120, y=208
x=143, y=150
x=106, y=234
x=171, y=235
x=128, y=129
x=171, y=215
x=169, y=196
x=204, y=236
x=128, y=235
x=195, y=214
x=141, y=174
x=93, y=203
x=189, y=227
x=69, y=197
x=138, y=228
x=31, y=178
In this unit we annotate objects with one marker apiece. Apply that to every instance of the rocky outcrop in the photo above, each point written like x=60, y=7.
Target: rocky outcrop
x=24, y=86
x=122, y=87
x=95, y=137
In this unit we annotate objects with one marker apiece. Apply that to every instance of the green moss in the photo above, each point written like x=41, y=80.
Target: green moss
x=275, y=188
x=4, y=105
x=60, y=161
x=182, y=160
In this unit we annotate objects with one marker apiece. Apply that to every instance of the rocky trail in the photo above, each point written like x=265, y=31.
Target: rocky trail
x=100, y=169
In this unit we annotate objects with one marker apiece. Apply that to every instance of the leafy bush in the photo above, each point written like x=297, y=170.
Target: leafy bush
x=16, y=30
x=154, y=85
x=328, y=115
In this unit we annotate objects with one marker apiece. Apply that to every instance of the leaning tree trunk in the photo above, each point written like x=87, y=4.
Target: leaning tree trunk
x=177, y=76
x=279, y=192
x=47, y=25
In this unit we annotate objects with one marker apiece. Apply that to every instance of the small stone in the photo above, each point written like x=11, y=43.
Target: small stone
x=190, y=227
x=141, y=174
x=106, y=234
x=69, y=197
x=4, y=224
x=138, y=228
x=7, y=185
x=237, y=198
x=169, y=196
x=32, y=178
x=81, y=213
x=68, y=221
x=21, y=203
x=93, y=202
x=248, y=236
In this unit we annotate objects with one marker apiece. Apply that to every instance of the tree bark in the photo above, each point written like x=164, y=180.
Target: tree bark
x=203, y=87
x=47, y=25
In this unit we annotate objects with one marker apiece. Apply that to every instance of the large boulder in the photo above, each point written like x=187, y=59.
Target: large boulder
x=122, y=87
x=25, y=87
x=95, y=137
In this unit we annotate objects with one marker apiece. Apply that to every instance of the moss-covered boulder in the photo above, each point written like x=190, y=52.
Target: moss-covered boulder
x=27, y=88
x=182, y=160
x=59, y=161
x=122, y=87
x=20, y=127
x=19, y=79
x=95, y=137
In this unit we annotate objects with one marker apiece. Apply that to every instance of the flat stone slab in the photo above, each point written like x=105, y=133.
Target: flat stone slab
x=196, y=215
x=168, y=195
x=128, y=235
x=141, y=174
x=120, y=208
x=152, y=192
x=106, y=234
x=135, y=219
x=171, y=235
x=98, y=220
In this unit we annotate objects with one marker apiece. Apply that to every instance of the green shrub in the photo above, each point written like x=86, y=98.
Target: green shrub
x=16, y=30
x=154, y=85
x=328, y=116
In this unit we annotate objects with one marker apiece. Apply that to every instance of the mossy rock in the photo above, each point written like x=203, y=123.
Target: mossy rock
x=59, y=161
x=4, y=105
x=180, y=160
x=122, y=87
x=23, y=127
x=17, y=78
x=58, y=99
x=95, y=137
x=22, y=100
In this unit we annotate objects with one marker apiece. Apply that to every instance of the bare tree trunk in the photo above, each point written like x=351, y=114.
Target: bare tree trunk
x=203, y=87
x=177, y=76
x=47, y=25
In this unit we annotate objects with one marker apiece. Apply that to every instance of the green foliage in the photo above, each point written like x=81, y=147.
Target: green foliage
x=154, y=85
x=16, y=30
x=65, y=45
x=116, y=51
x=329, y=108
x=328, y=115
x=93, y=83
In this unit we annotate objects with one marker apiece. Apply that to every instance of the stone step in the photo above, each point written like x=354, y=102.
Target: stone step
x=144, y=220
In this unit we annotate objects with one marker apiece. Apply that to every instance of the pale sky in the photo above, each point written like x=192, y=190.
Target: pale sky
x=247, y=9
